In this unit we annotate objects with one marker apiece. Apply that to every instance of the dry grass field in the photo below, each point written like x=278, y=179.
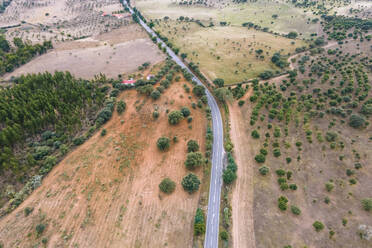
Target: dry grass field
x=60, y=20
x=105, y=193
x=314, y=162
x=227, y=52
x=260, y=12
x=119, y=51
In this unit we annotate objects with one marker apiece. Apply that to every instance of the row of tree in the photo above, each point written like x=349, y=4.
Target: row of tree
x=20, y=54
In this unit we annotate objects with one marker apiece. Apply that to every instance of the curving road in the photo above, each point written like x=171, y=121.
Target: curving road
x=213, y=214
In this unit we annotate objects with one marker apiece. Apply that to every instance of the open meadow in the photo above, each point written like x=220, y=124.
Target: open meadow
x=235, y=54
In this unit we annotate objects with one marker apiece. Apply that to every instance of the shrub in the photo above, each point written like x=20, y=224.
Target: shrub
x=229, y=176
x=190, y=183
x=194, y=160
x=295, y=210
x=175, y=117
x=282, y=203
x=40, y=229
x=263, y=170
x=185, y=111
x=241, y=103
x=367, y=204
x=318, y=226
x=199, y=90
x=155, y=94
x=189, y=119
x=219, y=82
x=263, y=151
x=28, y=211
x=121, y=107
x=356, y=121
x=329, y=186
x=199, y=222
x=192, y=146
x=78, y=141
x=293, y=186
x=103, y=132
x=224, y=235
x=276, y=152
x=260, y=158
x=155, y=114
x=167, y=185
x=255, y=134
x=163, y=143
x=280, y=172
x=331, y=136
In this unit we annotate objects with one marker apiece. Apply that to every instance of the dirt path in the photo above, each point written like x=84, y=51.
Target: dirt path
x=242, y=197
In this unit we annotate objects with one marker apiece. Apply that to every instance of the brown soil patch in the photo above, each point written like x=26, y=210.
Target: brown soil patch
x=105, y=193
x=121, y=51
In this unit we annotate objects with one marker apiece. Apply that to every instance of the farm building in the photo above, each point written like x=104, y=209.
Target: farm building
x=129, y=82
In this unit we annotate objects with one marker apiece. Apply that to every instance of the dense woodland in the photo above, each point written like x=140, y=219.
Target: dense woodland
x=39, y=116
x=20, y=54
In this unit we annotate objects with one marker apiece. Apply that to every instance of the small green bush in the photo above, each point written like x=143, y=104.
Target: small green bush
x=40, y=229
x=263, y=170
x=367, y=204
x=121, y=107
x=192, y=146
x=224, y=235
x=255, y=134
x=282, y=203
x=167, y=185
x=155, y=114
x=318, y=226
x=185, y=111
x=260, y=158
x=175, y=117
x=276, y=152
x=194, y=160
x=28, y=211
x=329, y=186
x=280, y=172
x=103, y=132
x=163, y=143
x=295, y=210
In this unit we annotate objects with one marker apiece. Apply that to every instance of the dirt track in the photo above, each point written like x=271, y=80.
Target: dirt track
x=242, y=197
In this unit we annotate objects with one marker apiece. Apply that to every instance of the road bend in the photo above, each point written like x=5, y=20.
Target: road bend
x=213, y=213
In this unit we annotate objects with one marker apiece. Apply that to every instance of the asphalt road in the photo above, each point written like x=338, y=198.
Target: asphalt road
x=213, y=216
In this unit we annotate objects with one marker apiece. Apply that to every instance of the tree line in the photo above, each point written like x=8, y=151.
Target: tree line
x=20, y=54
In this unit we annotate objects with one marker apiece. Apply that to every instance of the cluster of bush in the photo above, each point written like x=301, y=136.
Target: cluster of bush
x=199, y=222
x=229, y=174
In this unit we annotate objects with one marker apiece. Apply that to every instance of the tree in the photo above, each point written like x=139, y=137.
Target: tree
x=194, y=160
x=175, y=117
x=260, y=158
x=121, y=106
x=155, y=94
x=356, y=121
x=318, y=226
x=192, y=146
x=219, y=82
x=190, y=183
x=282, y=203
x=255, y=134
x=367, y=204
x=183, y=56
x=163, y=143
x=292, y=35
x=185, y=111
x=263, y=170
x=167, y=185
x=199, y=90
x=223, y=94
